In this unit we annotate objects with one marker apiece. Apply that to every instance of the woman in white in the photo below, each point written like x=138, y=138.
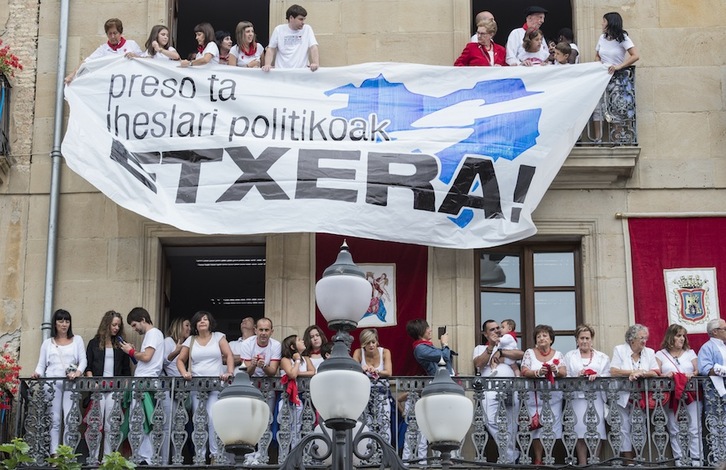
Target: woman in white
x=177, y=333
x=294, y=365
x=246, y=52
x=677, y=358
x=205, y=359
x=207, y=50
x=378, y=366
x=542, y=362
x=585, y=361
x=158, y=46
x=635, y=361
x=614, y=48
x=314, y=338
x=63, y=355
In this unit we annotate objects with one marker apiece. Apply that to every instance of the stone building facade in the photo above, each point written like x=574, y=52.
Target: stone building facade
x=109, y=257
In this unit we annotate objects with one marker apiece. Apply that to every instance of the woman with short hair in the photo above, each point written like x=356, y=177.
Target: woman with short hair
x=586, y=362
x=204, y=350
x=637, y=362
x=544, y=362
x=246, y=52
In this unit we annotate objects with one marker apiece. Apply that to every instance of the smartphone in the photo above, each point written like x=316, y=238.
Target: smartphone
x=442, y=331
x=119, y=338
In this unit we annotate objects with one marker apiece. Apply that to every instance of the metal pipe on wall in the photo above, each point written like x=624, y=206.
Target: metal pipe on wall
x=55, y=174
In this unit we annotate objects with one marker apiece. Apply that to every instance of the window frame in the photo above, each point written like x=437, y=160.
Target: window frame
x=527, y=289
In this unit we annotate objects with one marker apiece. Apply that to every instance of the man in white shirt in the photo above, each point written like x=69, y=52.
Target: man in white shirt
x=487, y=359
x=535, y=20
x=260, y=353
x=292, y=43
x=247, y=329
x=150, y=359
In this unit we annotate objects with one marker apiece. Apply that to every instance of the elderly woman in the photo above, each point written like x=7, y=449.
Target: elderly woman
x=676, y=359
x=543, y=362
x=484, y=52
x=585, y=361
x=635, y=361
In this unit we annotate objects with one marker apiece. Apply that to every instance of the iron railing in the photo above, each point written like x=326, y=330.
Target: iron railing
x=500, y=406
x=614, y=121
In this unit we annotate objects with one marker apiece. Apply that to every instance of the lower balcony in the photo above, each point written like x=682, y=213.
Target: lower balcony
x=170, y=415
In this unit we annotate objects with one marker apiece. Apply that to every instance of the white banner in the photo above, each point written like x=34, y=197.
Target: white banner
x=442, y=156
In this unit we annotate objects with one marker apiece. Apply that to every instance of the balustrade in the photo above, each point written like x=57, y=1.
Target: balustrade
x=160, y=407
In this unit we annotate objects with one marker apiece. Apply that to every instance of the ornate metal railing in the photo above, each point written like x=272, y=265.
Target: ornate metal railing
x=500, y=431
x=614, y=121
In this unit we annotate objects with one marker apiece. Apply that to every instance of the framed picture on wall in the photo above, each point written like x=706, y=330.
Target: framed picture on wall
x=382, y=308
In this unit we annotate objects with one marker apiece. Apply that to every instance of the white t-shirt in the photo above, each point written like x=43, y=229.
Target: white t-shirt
x=515, y=47
x=54, y=359
x=211, y=48
x=105, y=50
x=271, y=352
x=153, y=338
x=292, y=46
x=159, y=55
x=244, y=59
x=206, y=360
x=683, y=363
x=170, y=368
x=612, y=52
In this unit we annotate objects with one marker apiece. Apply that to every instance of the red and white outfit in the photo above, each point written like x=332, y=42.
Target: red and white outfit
x=124, y=45
x=515, y=45
x=243, y=58
x=250, y=350
x=599, y=363
x=474, y=54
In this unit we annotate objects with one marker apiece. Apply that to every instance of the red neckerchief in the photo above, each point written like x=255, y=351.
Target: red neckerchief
x=291, y=389
x=551, y=375
x=251, y=51
x=422, y=341
x=513, y=334
x=115, y=47
x=315, y=351
x=524, y=27
x=200, y=49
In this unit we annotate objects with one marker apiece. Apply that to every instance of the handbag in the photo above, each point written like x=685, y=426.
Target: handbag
x=534, y=422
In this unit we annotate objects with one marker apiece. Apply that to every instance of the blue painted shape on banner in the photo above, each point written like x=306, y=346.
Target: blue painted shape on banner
x=505, y=135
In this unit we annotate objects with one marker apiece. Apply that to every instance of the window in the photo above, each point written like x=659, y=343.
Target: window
x=532, y=284
x=222, y=15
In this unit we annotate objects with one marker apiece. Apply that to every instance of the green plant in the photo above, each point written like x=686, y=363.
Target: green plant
x=17, y=452
x=9, y=62
x=64, y=459
x=115, y=461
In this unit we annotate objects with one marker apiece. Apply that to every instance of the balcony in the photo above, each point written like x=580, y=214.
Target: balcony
x=607, y=150
x=186, y=436
x=6, y=160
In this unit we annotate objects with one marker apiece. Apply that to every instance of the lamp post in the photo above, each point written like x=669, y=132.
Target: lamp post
x=241, y=399
x=444, y=414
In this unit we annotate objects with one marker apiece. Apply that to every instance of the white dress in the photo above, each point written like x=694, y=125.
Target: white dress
x=531, y=362
x=683, y=364
x=600, y=363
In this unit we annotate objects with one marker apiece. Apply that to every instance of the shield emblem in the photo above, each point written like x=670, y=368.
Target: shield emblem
x=692, y=304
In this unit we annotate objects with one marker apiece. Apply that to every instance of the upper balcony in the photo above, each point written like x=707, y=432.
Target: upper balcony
x=607, y=150
x=654, y=423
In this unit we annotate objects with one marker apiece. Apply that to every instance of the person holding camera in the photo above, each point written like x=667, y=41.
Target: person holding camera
x=424, y=350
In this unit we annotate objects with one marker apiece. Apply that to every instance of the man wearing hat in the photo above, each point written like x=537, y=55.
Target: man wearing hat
x=535, y=19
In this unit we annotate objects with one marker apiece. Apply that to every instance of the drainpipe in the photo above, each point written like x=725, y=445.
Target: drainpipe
x=55, y=174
